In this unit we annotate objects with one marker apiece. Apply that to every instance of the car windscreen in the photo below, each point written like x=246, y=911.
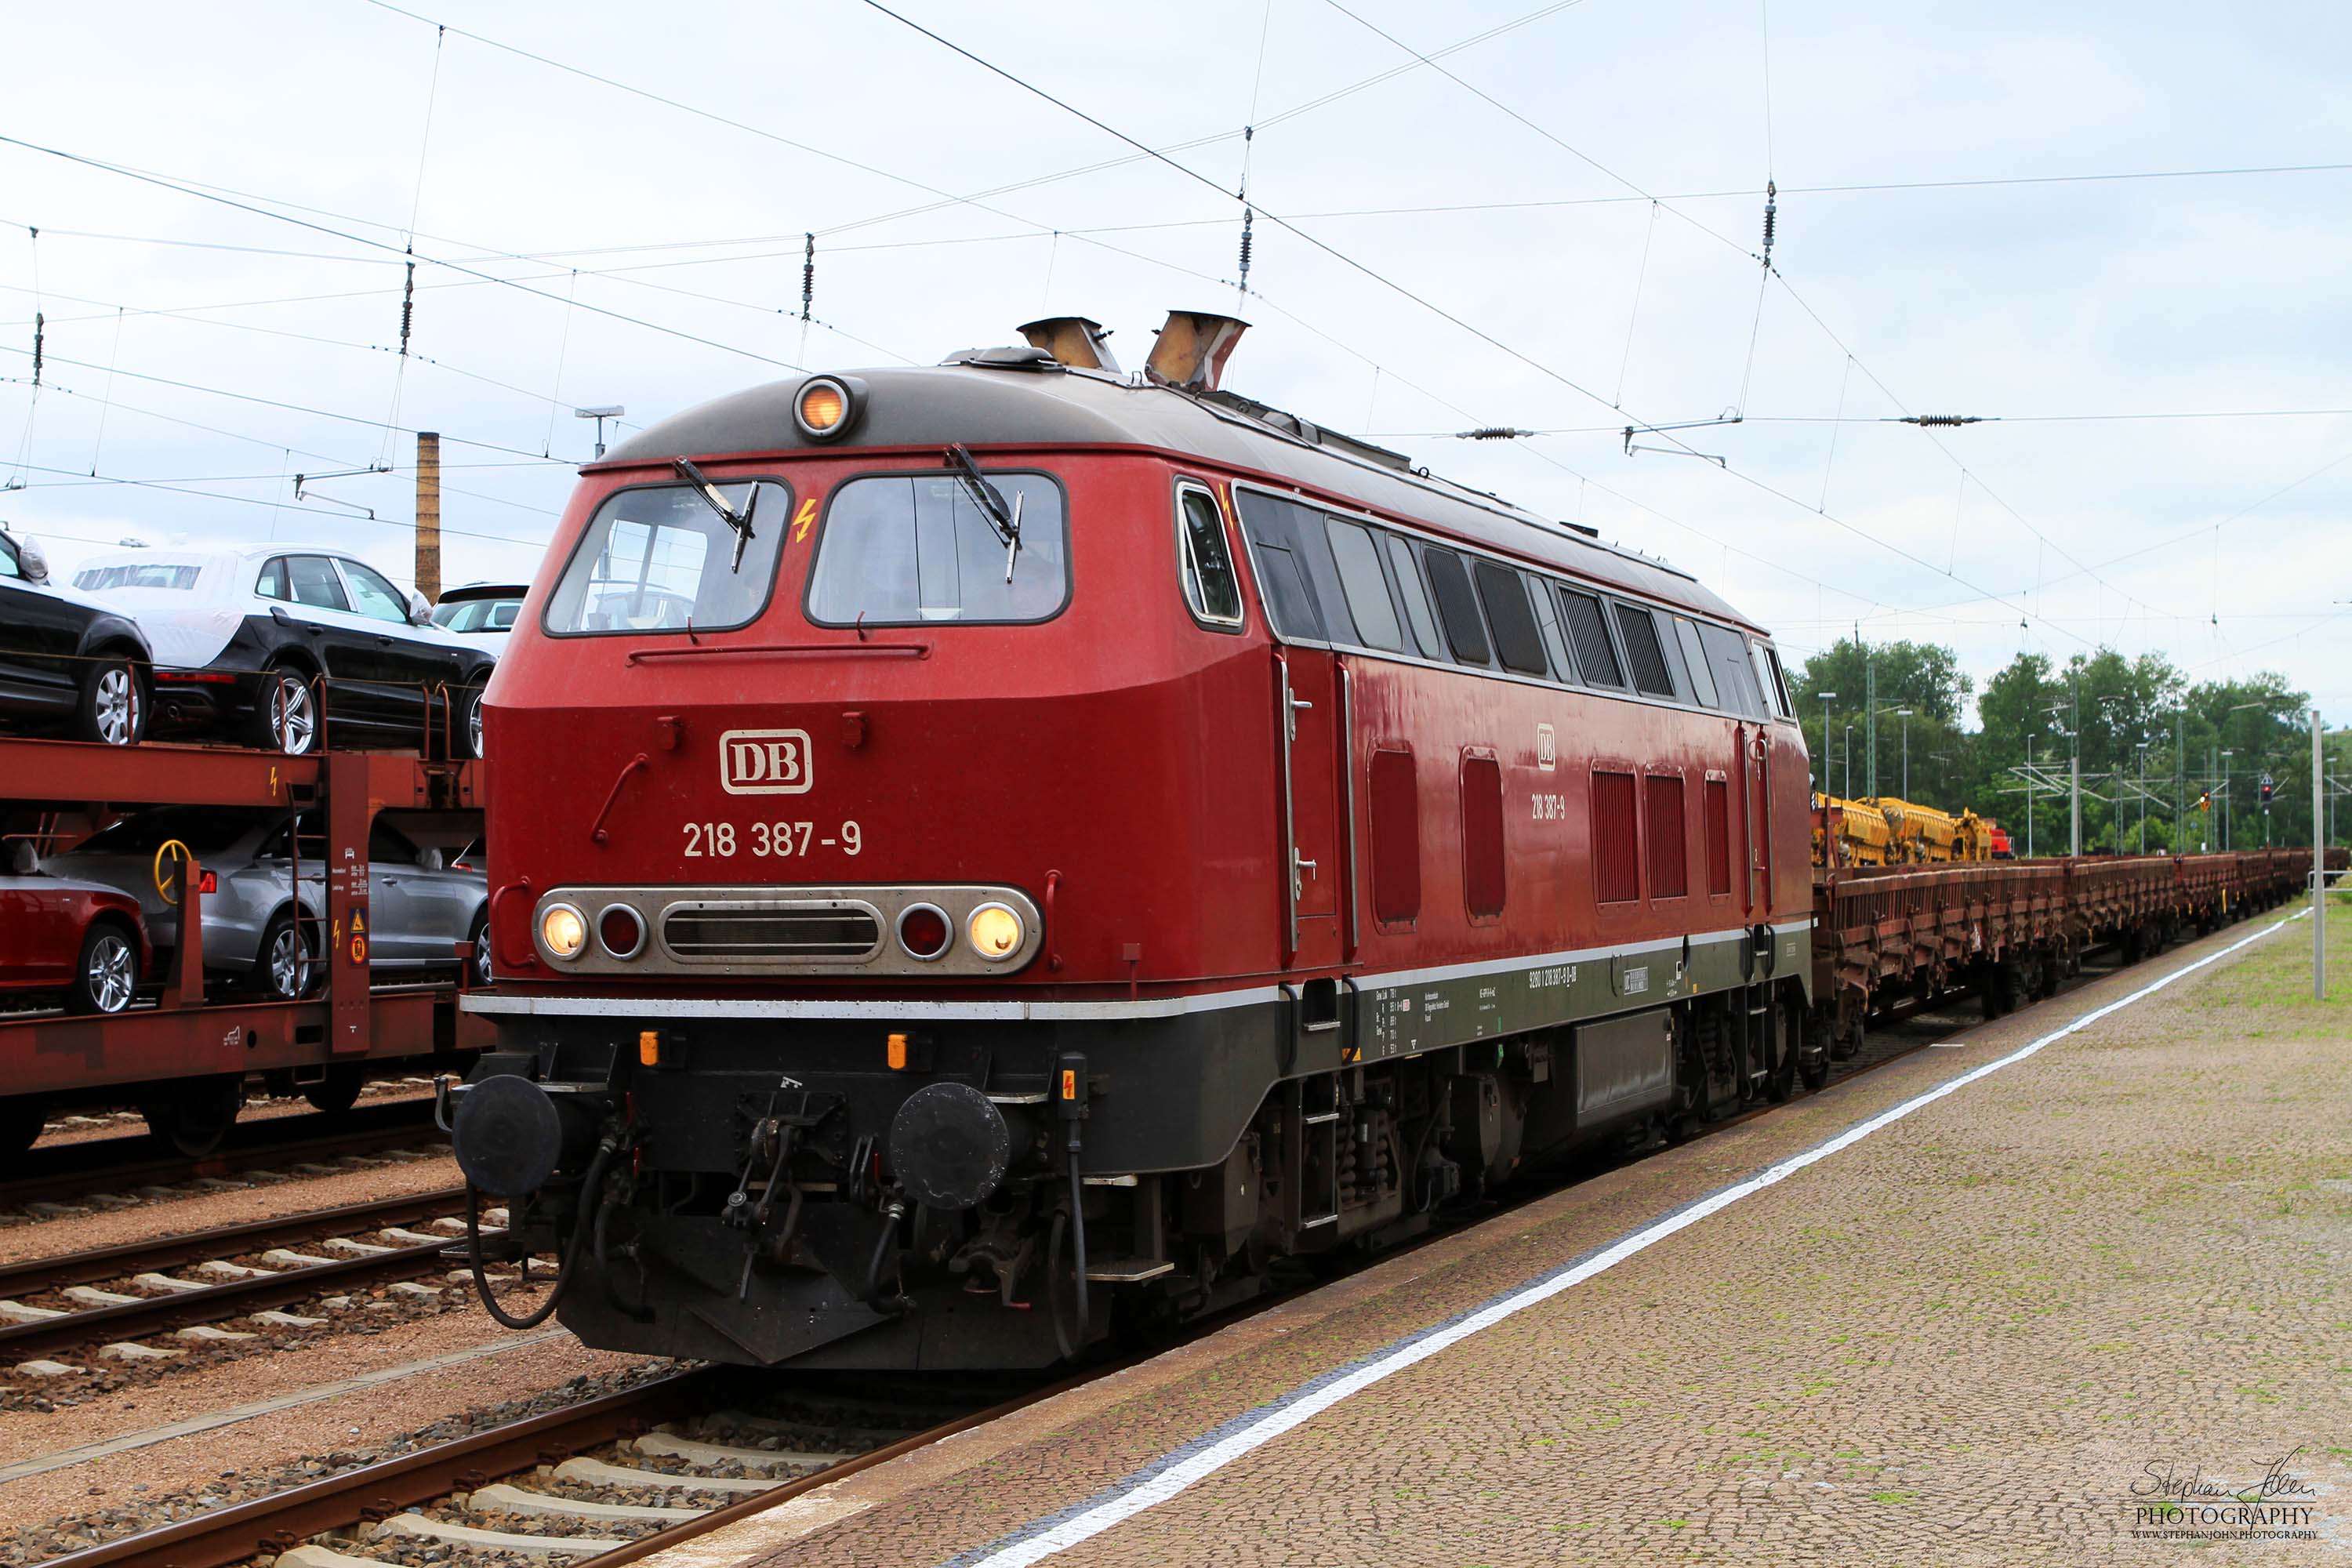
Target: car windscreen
x=477, y=615
x=138, y=575
x=206, y=831
x=908, y=548
x=660, y=559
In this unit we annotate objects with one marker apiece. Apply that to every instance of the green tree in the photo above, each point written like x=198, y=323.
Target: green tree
x=1923, y=677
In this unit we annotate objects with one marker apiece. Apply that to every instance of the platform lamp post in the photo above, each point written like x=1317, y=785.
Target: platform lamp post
x=2143, y=795
x=600, y=413
x=1846, y=766
x=1905, y=714
x=2227, y=836
x=2228, y=805
x=1826, y=698
x=2030, y=793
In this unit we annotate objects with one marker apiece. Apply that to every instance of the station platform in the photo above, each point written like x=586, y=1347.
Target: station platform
x=1999, y=1302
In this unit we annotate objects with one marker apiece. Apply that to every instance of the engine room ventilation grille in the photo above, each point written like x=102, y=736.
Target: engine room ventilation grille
x=772, y=931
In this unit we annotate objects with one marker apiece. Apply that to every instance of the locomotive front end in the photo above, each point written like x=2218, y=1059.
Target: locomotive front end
x=802, y=1047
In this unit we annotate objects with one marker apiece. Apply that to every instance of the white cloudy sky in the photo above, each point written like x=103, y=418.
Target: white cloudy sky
x=223, y=345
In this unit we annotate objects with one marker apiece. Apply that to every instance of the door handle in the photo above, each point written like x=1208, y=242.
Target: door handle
x=382, y=641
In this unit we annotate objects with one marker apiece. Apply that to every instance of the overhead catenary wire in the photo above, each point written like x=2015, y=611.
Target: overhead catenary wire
x=200, y=193
x=1512, y=352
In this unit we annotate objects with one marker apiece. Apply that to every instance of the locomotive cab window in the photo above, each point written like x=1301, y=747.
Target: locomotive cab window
x=1695, y=660
x=660, y=558
x=910, y=549
x=1210, y=588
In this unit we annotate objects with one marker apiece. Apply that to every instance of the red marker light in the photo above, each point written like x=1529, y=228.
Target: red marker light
x=924, y=931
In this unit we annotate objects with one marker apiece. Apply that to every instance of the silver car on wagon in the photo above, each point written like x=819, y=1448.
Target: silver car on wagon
x=418, y=908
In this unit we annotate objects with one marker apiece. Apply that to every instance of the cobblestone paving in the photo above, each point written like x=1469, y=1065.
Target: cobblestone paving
x=1962, y=1341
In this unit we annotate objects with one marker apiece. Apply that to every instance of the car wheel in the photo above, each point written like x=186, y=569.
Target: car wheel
x=479, y=972
x=291, y=716
x=473, y=740
x=193, y=1115
x=112, y=709
x=106, y=976
x=285, y=969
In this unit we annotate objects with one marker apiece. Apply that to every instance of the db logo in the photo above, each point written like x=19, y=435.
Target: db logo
x=765, y=762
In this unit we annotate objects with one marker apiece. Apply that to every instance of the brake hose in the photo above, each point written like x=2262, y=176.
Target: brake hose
x=580, y=1229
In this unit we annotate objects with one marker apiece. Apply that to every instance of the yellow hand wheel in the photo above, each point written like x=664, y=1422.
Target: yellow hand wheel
x=168, y=853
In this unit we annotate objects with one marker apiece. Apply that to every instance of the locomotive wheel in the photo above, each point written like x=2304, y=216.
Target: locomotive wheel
x=195, y=1114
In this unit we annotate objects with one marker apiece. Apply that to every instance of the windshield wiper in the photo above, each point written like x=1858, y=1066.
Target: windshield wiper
x=1004, y=519
x=740, y=522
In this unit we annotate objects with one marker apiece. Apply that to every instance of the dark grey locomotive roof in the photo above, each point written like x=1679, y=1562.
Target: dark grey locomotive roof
x=1024, y=400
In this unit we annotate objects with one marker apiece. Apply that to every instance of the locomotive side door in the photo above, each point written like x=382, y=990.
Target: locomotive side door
x=1312, y=749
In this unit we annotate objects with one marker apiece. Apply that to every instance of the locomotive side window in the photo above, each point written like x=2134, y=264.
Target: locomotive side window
x=1669, y=850
x=1702, y=679
x=1365, y=585
x=1449, y=585
x=1517, y=638
x=1482, y=835
x=908, y=549
x=1643, y=653
x=1416, y=597
x=1396, y=838
x=1210, y=588
x=660, y=558
x=1596, y=656
x=1616, y=844
x=1735, y=678
x=1547, y=620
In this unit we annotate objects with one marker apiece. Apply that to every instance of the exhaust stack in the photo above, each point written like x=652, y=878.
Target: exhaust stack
x=1073, y=341
x=1193, y=348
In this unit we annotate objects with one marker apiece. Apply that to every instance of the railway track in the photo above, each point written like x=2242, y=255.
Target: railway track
x=117, y=1172
x=595, y=1485
x=355, y=1248
x=621, y=1476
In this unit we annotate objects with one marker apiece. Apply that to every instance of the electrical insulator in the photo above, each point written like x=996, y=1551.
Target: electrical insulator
x=1771, y=217
x=808, y=274
x=407, y=308
x=1248, y=217
x=37, y=351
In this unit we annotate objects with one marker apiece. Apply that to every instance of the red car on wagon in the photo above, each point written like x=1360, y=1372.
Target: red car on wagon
x=78, y=941
x=1012, y=848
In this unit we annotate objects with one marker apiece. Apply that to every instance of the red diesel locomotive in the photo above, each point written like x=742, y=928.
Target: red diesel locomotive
x=1018, y=848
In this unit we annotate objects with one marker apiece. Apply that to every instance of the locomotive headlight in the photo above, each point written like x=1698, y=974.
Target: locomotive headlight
x=995, y=931
x=824, y=406
x=563, y=931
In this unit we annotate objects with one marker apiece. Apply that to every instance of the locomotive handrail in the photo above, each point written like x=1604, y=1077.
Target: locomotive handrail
x=788, y=650
x=498, y=958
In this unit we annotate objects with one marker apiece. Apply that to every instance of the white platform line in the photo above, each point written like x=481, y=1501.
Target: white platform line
x=1186, y=1467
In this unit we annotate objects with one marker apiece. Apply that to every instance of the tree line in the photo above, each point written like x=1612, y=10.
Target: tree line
x=2151, y=742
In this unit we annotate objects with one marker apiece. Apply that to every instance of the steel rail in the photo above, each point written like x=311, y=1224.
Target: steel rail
x=230, y=1299
x=70, y=1169
x=284, y=1519
x=169, y=1252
